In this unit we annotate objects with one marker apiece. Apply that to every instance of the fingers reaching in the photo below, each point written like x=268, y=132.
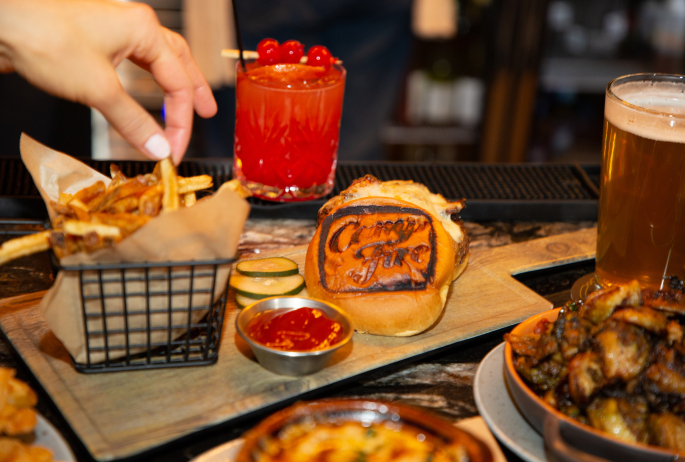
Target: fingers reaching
x=184, y=86
x=178, y=97
x=71, y=49
x=203, y=101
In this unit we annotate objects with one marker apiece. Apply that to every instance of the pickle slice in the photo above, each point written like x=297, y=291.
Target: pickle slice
x=258, y=288
x=243, y=301
x=267, y=267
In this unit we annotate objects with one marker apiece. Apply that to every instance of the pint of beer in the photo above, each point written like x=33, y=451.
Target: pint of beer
x=641, y=225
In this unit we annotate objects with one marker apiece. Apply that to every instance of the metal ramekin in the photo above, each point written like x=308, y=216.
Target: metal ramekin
x=295, y=363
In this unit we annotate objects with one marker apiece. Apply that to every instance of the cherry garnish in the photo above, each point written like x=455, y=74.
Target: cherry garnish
x=269, y=52
x=292, y=51
x=319, y=55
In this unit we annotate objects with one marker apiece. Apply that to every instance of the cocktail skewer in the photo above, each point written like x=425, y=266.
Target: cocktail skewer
x=235, y=54
x=248, y=54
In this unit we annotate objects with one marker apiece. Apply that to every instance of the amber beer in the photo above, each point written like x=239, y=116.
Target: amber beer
x=641, y=225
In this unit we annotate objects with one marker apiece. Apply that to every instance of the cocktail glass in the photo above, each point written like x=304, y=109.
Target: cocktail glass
x=287, y=129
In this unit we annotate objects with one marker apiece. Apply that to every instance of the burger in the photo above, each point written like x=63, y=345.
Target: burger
x=386, y=253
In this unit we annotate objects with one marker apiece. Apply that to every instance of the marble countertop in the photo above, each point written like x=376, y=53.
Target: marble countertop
x=441, y=383
x=263, y=234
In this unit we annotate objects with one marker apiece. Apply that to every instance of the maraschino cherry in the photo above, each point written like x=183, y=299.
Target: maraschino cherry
x=269, y=52
x=319, y=55
x=292, y=51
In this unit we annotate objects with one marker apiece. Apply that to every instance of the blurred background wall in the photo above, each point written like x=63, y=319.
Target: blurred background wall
x=429, y=80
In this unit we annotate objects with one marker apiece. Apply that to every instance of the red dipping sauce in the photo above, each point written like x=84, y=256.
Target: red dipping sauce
x=301, y=329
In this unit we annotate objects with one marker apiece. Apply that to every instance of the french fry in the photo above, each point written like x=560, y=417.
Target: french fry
x=25, y=245
x=99, y=216
x=64, y=245
x=81, y=228
x=64, y=198
x=58, y=242
x=194, y=183
x=170, y=198
x=115, y=172
x=127, y=223
x=150, y=201
x=129, y=188
x=62, y=209
x=127, y=204
x=117, y=177
x=237, y=186
x=59, y=221
x=87, y=194
x=189, y=199
x=93, y=241
x=149, y=179
x=75, y=203
x=157, y=172
x=79, y=210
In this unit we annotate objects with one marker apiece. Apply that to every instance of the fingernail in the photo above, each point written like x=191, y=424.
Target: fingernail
x=158, y=147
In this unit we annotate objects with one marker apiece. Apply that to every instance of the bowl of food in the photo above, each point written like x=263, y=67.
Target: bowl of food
x=357, y=429
x=293, y=335
x=602, y=375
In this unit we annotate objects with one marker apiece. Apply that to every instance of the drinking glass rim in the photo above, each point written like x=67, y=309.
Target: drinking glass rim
x=306, y=89
x=646, y=76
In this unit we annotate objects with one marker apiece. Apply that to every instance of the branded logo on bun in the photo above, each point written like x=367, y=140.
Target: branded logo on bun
x=385, y=260
x=383, y=248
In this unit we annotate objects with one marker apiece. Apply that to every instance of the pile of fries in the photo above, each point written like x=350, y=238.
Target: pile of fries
x=17, y=418
x=99, y=216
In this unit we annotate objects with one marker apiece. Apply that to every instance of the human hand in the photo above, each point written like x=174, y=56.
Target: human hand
x=70, y=48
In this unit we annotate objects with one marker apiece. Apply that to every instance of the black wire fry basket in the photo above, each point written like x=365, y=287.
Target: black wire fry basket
x=151, y=315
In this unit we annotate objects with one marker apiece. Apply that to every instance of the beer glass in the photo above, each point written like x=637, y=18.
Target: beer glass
x=641, y=224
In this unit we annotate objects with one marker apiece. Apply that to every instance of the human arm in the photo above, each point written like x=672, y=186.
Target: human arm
x=70, y=48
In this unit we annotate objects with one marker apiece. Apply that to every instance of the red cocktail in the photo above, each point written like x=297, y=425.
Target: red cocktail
x=287, y=129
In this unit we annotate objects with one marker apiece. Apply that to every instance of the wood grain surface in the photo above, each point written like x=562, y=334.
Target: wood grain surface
x=126, y=413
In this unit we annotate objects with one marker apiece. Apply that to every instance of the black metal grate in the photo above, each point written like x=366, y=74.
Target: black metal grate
x=220, y=171
x=501, y=191
x=493, y=192
x=15, y=179
x=479, y=181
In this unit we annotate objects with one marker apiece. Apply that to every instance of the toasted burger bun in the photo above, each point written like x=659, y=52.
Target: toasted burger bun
x=387, y=262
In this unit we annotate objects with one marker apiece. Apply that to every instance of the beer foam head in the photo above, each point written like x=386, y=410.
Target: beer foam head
x=655, y=110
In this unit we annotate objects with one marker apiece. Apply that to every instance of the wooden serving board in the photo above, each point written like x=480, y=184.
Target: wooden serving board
x=126, y=413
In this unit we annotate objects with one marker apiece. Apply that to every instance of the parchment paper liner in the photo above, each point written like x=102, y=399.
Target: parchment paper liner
x=206, y=231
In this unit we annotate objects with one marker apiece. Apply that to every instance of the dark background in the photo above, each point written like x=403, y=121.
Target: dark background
x=543, y=66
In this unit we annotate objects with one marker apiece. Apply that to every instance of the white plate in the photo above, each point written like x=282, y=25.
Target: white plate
x=227, y=452
x=499, y=411
x=48, y=437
